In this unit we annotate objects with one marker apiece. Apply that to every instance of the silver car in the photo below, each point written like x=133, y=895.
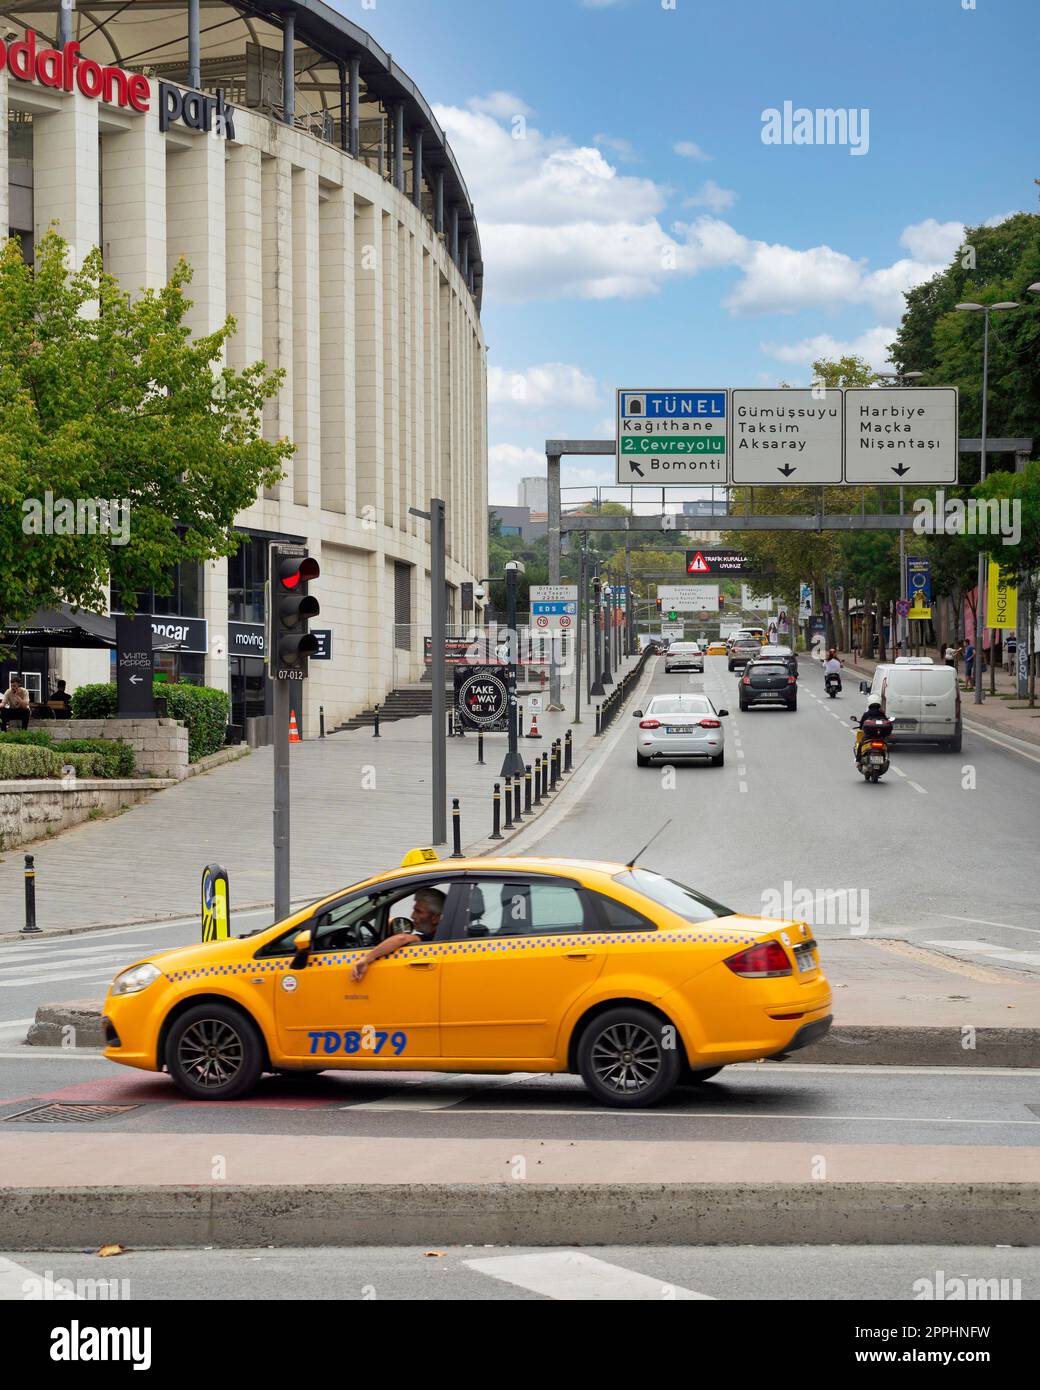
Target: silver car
x=684, y=656
x=680, y=726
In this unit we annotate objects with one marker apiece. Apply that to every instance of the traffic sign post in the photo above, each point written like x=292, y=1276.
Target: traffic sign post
x=901, y=434
x=134, y=667
x=787, y=437
x=671, y=437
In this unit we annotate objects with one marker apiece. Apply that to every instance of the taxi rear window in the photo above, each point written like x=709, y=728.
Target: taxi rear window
x=676, y=897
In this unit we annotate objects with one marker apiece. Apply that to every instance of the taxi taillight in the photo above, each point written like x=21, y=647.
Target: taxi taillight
x=763, y=961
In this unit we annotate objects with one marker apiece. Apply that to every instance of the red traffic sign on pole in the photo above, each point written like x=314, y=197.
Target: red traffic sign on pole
x=902, y=607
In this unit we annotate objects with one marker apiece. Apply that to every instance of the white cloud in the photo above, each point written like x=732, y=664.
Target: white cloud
x=689, y=149
x=621, y=148
x=871, y=345
x=932, y=241
x=507, y=464
x=504, y=105
x=712, y=197
x=548, y=386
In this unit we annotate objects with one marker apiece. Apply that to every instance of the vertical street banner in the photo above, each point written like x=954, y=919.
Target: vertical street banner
x=919, y=587
x=1001, y=596
x=805, y=602
x=134, y=666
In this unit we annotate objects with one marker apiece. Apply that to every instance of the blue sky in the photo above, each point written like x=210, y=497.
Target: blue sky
x=637, y=230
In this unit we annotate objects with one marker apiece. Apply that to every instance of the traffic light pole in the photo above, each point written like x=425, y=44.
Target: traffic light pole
x=281, y=798
x=513, y=763
x=438, y=636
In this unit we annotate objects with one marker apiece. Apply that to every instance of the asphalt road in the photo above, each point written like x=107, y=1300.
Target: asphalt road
x=941, y=852
x=508, y=1272
x=751, y=1103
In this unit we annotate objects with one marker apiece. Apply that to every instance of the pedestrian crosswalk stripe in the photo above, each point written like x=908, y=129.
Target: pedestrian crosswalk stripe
x=573, y=1276
x=1004, y=954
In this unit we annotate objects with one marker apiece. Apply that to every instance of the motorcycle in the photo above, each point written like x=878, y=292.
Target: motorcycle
x=872, y=759
x=832, y=683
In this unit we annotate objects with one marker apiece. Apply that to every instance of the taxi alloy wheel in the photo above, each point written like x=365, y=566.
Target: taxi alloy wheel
x=624, y=1060
x=213, y=1053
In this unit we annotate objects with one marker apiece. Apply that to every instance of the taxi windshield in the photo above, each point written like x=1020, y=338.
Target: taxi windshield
x=676, y=897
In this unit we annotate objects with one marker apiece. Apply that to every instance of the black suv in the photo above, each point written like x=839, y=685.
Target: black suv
x=768, y=683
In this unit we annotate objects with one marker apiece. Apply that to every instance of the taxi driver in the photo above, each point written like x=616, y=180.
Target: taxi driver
x=429, y=904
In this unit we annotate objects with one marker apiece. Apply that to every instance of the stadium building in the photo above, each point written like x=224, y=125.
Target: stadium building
x=304, y=177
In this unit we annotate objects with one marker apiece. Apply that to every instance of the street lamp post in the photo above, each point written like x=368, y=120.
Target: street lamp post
x=596, y=650
x=513, y=763
x=985, y=310
x=900, y=378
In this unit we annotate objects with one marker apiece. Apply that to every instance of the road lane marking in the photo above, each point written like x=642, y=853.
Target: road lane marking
x=917, y=786
x=573, y=1276
x=899, y=772
x=981, y=922
x=27, y=981
x=987, y=948
x=1007, y=744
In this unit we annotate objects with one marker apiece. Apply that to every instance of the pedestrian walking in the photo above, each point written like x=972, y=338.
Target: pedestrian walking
x=950, y=656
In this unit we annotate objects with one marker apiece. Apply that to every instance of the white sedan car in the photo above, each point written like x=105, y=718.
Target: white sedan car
x=684, y=656
x=680, y=726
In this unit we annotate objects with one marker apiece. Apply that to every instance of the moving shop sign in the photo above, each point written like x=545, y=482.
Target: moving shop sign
x=66, y=69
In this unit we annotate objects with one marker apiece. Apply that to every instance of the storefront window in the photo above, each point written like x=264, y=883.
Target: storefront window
x=247, y=575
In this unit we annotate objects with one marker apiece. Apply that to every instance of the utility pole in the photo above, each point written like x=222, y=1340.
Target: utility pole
x=597, y=645
x=579, y=626
x=513, y=763
x=553, y=489
x=438, y=616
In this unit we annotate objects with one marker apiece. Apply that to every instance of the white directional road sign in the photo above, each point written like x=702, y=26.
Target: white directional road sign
x=688, y=598
x=671, y=437
x=903, y=434
x=554, y=607
x=786, y=437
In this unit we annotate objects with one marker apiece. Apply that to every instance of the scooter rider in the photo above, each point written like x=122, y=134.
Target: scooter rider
x=874, y=723
x=832, y=667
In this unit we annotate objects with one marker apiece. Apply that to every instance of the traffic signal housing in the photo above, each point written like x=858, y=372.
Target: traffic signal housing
x=290, y=610
x=722, y=602
x=658, y=602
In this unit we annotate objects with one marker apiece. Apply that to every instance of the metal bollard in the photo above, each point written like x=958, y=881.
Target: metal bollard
x=480, y=748
x=599, y=728
x=30, y=896
x=537, y=781
x=509, y=804
x=451, y=723
x=554, y=765
x=527, y=790
x=517, y=792
x=321, y=721
x=496, y=812
x=375, y=724
x=520, y=719
x=545, y=775
x=568, y=752
x=456, y=829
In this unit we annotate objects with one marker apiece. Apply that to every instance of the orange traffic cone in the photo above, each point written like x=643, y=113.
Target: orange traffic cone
x=294, y=733
x=533, y=730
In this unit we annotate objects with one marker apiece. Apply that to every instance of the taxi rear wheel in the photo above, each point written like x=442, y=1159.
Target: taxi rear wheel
x=213, y=1052
x=625, y=1060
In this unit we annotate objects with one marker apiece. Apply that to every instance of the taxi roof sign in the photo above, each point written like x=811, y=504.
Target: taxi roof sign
x=419, y=856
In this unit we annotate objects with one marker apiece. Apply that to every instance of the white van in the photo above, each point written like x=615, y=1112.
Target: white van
x=922, y=700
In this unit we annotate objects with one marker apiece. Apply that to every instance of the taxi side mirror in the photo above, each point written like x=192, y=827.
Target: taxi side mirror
x=302, y=947
x=637, y=714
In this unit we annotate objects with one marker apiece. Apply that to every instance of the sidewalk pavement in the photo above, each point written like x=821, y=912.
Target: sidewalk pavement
x=358, y=805
x=1002, y=713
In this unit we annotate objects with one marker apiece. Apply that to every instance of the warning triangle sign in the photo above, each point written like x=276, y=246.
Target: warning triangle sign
x=698, y=565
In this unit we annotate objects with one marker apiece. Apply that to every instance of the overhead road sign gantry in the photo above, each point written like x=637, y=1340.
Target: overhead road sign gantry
x=688, y=598
x=673, y=438
x=786, y=437
x=901, y=435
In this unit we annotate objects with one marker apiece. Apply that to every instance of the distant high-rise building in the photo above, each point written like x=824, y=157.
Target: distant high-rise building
x=534, y=494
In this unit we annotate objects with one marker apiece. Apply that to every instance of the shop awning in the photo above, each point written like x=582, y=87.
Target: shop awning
x=61, y=627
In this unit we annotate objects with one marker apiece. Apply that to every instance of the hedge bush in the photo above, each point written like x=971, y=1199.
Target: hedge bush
x=202, y=709
x=117, y=757
x=86, y=764
x=27, y=760
x=38, y=737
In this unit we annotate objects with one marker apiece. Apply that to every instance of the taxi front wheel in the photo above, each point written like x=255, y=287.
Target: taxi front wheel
x=213, y=1052
x=628, y=1057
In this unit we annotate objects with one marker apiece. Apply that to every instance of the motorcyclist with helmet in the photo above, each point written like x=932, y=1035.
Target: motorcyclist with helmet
x=874, y=723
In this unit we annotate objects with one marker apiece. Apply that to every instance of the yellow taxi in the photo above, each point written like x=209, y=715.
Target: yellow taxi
x=628, y=978
x=717, y=648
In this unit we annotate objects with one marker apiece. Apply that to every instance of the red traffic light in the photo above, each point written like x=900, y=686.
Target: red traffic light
x=292, y=570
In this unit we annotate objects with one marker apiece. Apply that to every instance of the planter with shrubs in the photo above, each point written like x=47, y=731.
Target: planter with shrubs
x=35, y=753
x=203, y=710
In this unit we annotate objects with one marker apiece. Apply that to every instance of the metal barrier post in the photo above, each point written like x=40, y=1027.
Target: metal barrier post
x=527, y=790
x=30, y=896
x=509, y=804
x=496, y=812
x=599, y=723
x=456, y=829
x=375, y=724
x=480, y=748
x=321, y=721
x=517, y=792
x=568, y=752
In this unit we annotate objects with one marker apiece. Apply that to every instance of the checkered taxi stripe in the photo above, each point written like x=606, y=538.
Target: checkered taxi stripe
x=508, y=946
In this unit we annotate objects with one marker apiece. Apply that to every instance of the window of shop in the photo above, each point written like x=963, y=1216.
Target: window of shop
x=402, y=607
x=247, y=575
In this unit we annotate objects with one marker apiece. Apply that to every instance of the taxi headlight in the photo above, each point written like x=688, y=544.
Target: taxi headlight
x=136, y=979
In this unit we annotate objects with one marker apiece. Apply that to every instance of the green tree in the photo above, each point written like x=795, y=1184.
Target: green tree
x=106, y=397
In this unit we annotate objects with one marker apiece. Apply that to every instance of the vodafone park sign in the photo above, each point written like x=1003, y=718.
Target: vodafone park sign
x=66, y=69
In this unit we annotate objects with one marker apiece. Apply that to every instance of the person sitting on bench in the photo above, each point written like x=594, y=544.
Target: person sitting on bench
x=14, y=705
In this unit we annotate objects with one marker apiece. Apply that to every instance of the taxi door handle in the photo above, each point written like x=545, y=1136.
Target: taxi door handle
x=581, y=955
x=421, y=964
